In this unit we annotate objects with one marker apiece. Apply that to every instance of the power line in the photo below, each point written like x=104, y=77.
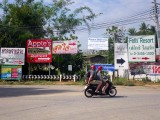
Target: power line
x=135, y=18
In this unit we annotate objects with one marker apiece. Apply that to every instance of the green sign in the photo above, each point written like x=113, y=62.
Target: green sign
x=141, y=48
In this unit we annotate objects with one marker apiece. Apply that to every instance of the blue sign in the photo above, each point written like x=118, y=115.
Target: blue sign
x=106, y=67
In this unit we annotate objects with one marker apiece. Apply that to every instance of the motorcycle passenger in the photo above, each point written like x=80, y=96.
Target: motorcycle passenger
x=92, y=78
x=106, y=84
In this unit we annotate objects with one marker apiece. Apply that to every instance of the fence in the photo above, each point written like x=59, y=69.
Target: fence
x=52, y=77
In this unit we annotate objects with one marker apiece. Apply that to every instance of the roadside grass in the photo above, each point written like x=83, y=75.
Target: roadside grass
x=117, y=82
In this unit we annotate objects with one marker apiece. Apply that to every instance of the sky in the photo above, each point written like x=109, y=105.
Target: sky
x=112, y=10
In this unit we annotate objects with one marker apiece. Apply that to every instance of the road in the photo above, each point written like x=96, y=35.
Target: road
x=64, y=102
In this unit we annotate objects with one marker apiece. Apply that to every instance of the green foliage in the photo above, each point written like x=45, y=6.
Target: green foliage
x=29, y=19
x=123, y=81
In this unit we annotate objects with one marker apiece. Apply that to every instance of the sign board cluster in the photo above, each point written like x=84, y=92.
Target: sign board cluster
x=139, y=49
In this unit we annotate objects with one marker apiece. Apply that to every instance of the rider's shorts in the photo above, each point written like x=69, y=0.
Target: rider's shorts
x=96, y=82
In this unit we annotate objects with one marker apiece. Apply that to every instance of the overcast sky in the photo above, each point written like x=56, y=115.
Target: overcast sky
x=113, y=10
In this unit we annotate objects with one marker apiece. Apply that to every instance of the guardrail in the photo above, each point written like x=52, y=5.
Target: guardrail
x=52, y=77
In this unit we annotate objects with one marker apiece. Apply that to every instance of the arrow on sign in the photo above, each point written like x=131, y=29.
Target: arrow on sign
x=43, y=58
x=145, y=58
x=120, y=61
x=72, y=44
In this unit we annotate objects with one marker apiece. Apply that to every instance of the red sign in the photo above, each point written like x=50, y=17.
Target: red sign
x=39, y=51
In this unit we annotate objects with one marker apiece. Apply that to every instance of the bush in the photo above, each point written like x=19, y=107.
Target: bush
x=123, y=81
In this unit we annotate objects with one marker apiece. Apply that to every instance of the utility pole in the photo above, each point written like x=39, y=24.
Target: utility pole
x=157, y=21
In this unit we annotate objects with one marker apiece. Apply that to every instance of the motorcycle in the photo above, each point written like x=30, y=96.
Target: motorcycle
x=90, y=89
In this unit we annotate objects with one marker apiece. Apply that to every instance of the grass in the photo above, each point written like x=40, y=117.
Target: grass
x=120, y=81
x=39, y=82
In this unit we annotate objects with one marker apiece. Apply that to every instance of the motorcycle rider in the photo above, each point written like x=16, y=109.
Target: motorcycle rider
x=99, y=77
x=93, y=78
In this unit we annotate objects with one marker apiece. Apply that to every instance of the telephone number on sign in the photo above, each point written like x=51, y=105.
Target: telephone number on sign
x=143, y=53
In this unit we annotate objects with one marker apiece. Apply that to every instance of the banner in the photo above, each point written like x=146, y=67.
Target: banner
x=152, y=69
x=106, y=67
x=39, y=51
x=11, y=72
x=12, y=56
x=64, y=47
x=98, y=43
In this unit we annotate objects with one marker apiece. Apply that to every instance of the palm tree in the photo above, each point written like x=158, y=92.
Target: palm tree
x=132, y=31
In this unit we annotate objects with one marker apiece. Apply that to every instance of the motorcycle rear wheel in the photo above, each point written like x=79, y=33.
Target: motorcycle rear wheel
x=88, y=92
x=112, y=92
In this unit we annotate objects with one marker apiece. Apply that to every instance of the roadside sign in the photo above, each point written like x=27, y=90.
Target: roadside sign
x=11, y=72
x=120, y=56
x=69, y=67
x=141, y=48
x=106, y=67
x=39, y=51
x=64, y=47
x=98, y=43
x=12, y=56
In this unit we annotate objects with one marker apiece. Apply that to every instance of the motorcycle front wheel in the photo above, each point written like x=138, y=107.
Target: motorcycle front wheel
x=88, y=92
x=112, y=92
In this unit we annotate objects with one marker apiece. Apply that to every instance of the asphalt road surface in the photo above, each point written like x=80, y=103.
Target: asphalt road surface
x=64, y=102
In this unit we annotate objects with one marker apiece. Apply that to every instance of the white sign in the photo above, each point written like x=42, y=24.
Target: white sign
x=120, y=56
x=141, y=48
x=152, y=69
x=69, y=67
x=157, y=51
x=13, y=56
x=98, y=43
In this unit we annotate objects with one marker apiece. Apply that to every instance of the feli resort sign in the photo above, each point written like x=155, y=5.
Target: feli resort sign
x=141, y=48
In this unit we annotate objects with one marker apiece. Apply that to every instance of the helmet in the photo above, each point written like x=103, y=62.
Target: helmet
x=93, y=67
x=99, y=67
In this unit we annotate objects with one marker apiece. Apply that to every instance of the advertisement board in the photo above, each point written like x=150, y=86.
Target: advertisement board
x=12, y=56
x=141, y=48
x=64, y=47
x=39, y=51
x=152, y=69
x=98, y=43
x=11, y=72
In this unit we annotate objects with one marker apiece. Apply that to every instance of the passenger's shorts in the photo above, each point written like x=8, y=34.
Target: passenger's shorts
x=96, y=82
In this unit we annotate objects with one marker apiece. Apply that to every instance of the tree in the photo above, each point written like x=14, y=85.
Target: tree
x=115, y=35
x=29, y=19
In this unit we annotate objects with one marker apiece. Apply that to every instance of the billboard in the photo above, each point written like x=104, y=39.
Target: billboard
x=141, y=48
x=98, y=43
x=39, y=51
x=13, y=56
x=11, y=72
x=64, y=47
